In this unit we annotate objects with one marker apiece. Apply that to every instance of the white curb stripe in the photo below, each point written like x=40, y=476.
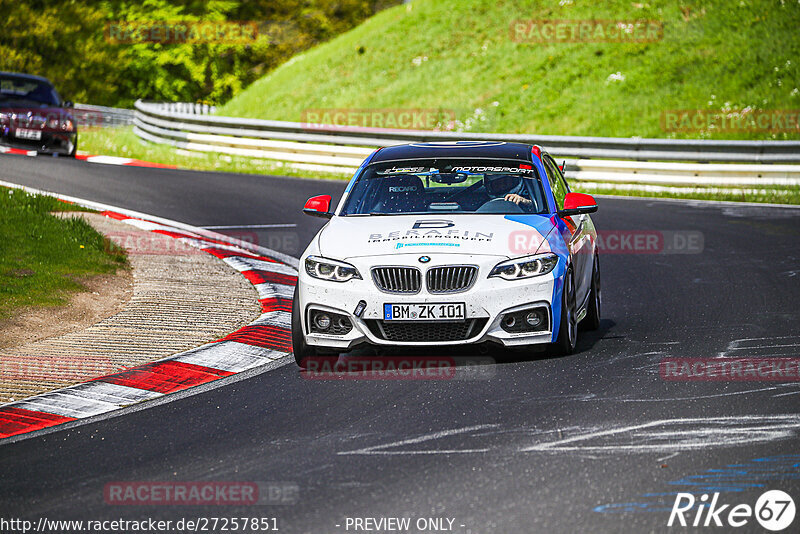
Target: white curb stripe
x=109, y=160
x=229, y=356
x=146, y=225
x=268, y=290
x=112, y=393
x=249, y=264
x=278, y=318
x=62, y=402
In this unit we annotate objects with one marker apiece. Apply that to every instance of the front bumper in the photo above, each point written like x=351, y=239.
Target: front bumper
x=62, y=143
x=487, y=302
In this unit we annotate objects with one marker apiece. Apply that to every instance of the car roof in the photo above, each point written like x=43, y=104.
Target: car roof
x=24, y=76
x=455, y=149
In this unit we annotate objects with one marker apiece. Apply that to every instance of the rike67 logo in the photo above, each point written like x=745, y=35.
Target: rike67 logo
x=774, y=510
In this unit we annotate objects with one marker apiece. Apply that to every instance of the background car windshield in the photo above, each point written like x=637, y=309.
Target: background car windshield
x=446, y=186
x=22, y=91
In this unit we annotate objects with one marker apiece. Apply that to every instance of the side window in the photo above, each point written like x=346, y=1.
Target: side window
x=560, y=175
x=557, y=182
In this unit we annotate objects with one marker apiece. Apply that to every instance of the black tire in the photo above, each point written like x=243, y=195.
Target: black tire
x=594, y=307
x=299, y=348
x=568, y=326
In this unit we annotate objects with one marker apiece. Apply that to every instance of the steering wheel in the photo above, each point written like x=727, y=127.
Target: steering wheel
x=494, y=206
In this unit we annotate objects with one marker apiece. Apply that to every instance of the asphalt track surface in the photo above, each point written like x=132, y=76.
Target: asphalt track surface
x=594, y=442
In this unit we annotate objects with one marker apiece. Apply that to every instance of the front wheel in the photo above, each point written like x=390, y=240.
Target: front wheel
x=568, y=325
x=299, y=347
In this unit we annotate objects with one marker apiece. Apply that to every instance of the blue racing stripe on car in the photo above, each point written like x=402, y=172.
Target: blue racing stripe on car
x=555, y=300
x=559, y=247
x=541, y=223
x=555, y=239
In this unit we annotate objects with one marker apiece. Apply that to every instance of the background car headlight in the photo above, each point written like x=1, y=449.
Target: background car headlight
x=65, y=124
x=526, y=267
x=335, y=271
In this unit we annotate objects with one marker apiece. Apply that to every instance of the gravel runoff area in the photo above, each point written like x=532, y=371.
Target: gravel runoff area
x=181, y=298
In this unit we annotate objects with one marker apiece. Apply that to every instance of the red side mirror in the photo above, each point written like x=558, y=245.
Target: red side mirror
x=318, y=206
x=577, y=204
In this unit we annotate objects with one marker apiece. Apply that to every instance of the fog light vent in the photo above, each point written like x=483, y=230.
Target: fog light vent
x=530, y=320
x=325, y=322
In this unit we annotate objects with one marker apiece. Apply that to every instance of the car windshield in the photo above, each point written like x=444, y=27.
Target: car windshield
x=446, y=186
x=27, y=92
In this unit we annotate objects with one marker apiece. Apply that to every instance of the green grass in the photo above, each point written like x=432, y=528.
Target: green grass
x=43, y=257
x=458, y=55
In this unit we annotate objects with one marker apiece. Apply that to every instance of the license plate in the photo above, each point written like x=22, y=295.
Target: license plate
x=449, y=311
x=24, y=133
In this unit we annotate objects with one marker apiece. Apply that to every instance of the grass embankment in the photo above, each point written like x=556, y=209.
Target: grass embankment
x=459, y=55
x=43, y=258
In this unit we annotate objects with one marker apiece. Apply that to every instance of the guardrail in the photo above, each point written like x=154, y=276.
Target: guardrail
x=89, y=116
x=339, y=149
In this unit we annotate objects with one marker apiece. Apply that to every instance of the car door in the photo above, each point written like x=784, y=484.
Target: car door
x=579, y=227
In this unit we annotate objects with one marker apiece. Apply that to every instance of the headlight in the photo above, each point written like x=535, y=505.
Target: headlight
x=526, y=267
x=335, y=271
x=55, y=123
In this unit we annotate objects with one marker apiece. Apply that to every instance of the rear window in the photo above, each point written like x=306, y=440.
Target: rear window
x=446, y=186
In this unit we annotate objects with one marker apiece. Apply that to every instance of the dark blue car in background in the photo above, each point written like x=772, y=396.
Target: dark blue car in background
x=33, y=117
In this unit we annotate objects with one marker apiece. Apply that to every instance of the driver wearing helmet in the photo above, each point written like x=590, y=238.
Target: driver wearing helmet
x=506, y=187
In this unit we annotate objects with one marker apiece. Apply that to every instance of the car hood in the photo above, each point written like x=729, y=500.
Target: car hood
x=490, y=234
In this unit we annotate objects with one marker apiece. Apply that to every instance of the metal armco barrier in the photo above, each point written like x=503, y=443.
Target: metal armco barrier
x=339, y=149
x=90, y=116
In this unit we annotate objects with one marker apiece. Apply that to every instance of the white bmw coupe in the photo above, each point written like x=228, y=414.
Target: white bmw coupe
x=449, y=243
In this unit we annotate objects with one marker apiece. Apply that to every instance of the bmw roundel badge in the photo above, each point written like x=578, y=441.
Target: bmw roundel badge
x=424, y=259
